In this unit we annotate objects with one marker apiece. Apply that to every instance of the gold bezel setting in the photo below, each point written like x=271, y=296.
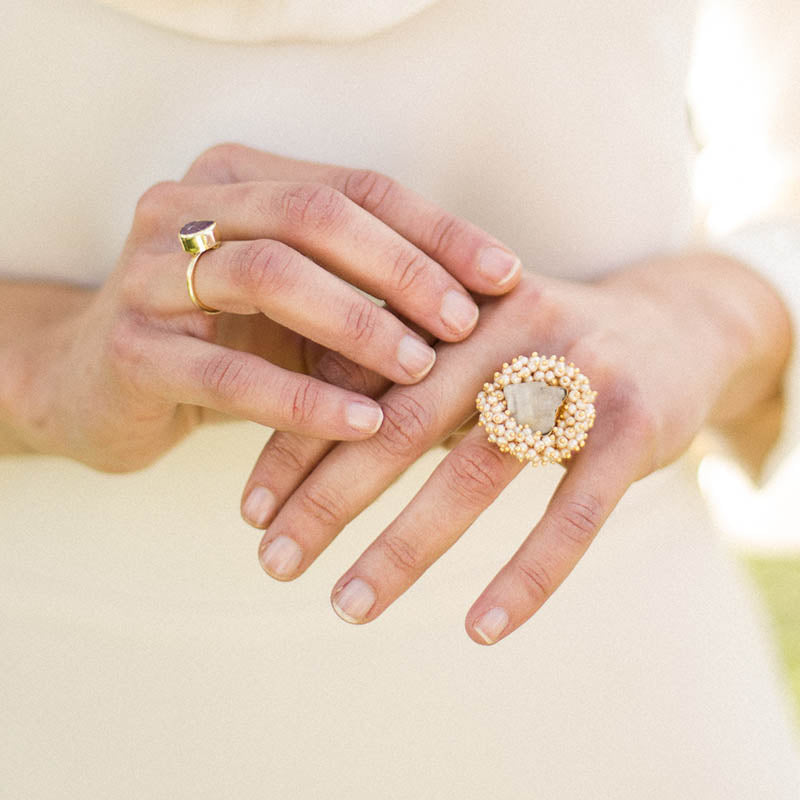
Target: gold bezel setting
x=198, y=236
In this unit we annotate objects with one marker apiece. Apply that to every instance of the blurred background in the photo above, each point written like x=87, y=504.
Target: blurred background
x=745, y=103
x=762, y=525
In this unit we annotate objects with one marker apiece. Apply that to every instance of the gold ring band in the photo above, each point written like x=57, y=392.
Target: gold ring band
x=190, y=283
x=198, y=237
x=537, y=408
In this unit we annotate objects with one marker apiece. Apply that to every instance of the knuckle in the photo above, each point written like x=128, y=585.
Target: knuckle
x=598, y=350
x=361, y=320
x=535, y=579
x=125, y=346
x=475, y=473
x=406, y=425
x=301, y=401
x=154, y=202
x=602, y=355
x=216, y=163
x=369, y=189
x=338, y=370
x=263, y=267
x=626, y=408
x=577, y=518
x=626, y=404
x=322, y=504
x=400, y=553
x=639, y=417
x=129, y=356
x=201, y=326
x=312, y=205
x=446, y=230
x=533, y=294
x=541, y=313
x=226, y=375
x=282, y=452
x=135, y=280
x=409, y=269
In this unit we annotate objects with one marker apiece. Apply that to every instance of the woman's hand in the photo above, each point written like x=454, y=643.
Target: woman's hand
x=667, y=345
x=121, y=380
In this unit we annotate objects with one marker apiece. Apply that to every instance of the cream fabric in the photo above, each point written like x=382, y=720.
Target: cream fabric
x=145, y=653
x=273, y=20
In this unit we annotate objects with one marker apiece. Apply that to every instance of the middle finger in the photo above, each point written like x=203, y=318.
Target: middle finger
x=268, y=276
x=325, y=225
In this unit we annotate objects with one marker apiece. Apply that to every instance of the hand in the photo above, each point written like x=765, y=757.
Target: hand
x=122, y=380
x=666, y=345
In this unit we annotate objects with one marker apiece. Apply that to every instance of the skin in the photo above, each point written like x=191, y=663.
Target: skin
x=669, y=345
x=115, y=376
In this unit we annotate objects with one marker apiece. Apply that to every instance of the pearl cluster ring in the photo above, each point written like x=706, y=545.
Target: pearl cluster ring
x=537, y=408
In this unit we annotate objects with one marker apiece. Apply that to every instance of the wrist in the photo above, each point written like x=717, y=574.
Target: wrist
x=760, y=340
x=36, y=336
x=733, y=322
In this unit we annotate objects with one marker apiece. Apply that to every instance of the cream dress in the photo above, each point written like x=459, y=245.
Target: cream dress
x=145, y=654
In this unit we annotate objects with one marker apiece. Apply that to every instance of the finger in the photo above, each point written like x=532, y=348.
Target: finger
x=589, y=491
x=479, y=261
x=466, y=482
x=326, y=226
x=268, y=276
x=288, y=458
x=349, y=478
x=183, y=369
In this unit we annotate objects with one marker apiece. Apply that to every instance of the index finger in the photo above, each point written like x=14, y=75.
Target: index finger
x=479, y=261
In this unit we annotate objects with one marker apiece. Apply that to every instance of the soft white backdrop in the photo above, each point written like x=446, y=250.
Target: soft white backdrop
x=745, y=95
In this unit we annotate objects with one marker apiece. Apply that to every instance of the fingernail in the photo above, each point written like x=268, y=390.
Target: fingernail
x=353, y=602
x=458, y=311
x=498, y=265
x=281, y=557
x=491, y=624
x=258, y=507
x=415, y=357
x=364, y=417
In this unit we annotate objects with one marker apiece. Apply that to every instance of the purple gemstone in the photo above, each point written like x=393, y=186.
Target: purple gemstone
x=190, y=228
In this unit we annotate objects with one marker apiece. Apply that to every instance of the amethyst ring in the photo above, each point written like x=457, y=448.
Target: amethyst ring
x=197, y=238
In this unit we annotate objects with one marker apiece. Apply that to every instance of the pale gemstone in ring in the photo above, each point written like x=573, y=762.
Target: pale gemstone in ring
x=539, y=409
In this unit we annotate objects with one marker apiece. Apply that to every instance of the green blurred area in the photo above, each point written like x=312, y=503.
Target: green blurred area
x=779, y=580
